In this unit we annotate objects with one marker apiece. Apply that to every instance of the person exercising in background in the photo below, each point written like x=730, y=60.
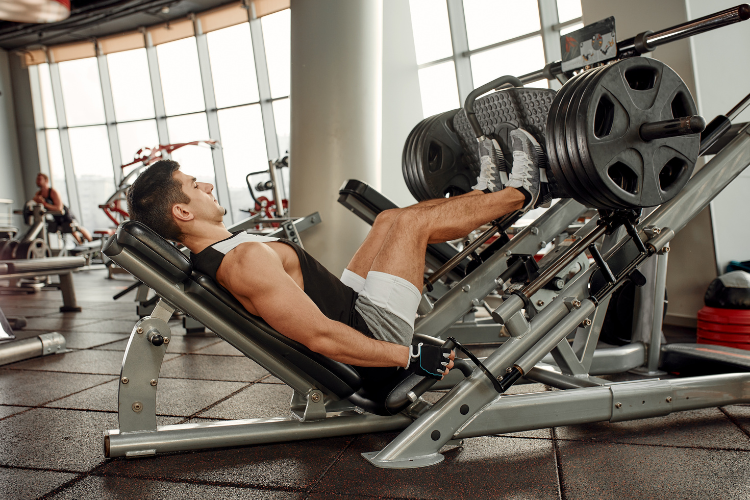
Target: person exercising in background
x=50, y=198
x=365, y=319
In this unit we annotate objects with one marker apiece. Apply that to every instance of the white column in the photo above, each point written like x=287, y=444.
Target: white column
x=336, y=89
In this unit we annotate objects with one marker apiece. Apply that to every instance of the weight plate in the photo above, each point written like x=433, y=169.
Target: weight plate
x=579, y=191
x=598, y=191
x=633, y=92
x=405, y=171
x=417, y=166
x=573, y=154
x=552, y=158
x=411, y=180
x=440, y=156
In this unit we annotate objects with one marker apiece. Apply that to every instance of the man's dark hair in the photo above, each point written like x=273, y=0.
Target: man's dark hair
x=152, y=196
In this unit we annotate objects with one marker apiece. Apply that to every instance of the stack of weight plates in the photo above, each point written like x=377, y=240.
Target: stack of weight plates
x=594, y=147
x=726, y=318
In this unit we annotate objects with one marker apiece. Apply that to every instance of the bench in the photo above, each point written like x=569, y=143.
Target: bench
x=61, y=266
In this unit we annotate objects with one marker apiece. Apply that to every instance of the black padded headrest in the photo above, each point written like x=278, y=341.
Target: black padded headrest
x=146, y=244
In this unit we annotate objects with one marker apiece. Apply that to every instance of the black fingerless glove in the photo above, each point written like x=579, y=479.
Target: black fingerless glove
x=428, y=360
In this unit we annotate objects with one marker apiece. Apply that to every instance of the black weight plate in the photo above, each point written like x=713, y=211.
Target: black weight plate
x=582, y=193
x=414, y=158
x=602, y=191
x=552, y=158
x=419, y=144
x=633, y=92
x=412, y=181
x=411, y=162
x=440, y=159
x=569, y=138
x=405, y=169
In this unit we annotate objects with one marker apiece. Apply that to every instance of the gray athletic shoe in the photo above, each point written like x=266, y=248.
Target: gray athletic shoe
x=492, y=161
x=527, y=157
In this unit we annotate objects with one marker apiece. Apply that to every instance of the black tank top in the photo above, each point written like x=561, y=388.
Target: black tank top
x=66, y=215
x=334, y=299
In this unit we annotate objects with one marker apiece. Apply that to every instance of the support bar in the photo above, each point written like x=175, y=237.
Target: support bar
x=188, y=437
x=42, y=345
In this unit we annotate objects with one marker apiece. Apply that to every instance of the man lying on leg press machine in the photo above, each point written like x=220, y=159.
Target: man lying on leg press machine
x=366, y=319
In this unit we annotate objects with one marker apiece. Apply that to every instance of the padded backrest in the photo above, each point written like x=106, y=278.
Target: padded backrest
x=150, y=247
x=328, y=372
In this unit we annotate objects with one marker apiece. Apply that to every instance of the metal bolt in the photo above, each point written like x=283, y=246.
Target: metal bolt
x=499, y=282
x=153, y=382
x=137, y=407
x=669, y=399
x=576, y=303
x=508, y=370
x=315, y=397
x=665, y=250
x=540, y=303
x=534, y=230
x=586, y=322
x=508, y=253
x=125, y=380
x=542, y=244
x=466, y=288
x=476, y=302
x=139, y=330
x=618, y=405
x=166, y=340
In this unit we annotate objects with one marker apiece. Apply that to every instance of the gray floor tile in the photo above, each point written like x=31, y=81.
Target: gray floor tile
x=109, y=326
x=22, y=484
x=28, y=312
x=6, y=411
x=81, y=340
x=32, y=388
x=88, y=361
x=257, y=401
x=286, y=465
x=488, y=467
x=198, y=366
x=58, y=324
x=177, y=345
x=96, y=314
x=616, y=471
x=173, y=397
x=741, y=415
x=121, y=488
x=60, y=439
x=707, y=428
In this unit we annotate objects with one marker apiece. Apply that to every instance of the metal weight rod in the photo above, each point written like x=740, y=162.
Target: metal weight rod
x=672, y=128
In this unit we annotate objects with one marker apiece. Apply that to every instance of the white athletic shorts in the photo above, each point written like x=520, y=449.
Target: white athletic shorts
x=387, y=303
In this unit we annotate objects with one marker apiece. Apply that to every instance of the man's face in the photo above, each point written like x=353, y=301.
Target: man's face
x=202, y=204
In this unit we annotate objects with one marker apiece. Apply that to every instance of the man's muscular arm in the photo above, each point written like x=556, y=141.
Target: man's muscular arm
x=255, y=275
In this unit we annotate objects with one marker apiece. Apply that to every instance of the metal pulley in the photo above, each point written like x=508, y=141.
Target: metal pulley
x=624, y=135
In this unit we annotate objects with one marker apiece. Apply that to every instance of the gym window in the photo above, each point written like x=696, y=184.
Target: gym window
x=212, y=78
x=462, y=44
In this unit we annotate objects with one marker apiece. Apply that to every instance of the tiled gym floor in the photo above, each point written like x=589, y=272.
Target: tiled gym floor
x=53, y=411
